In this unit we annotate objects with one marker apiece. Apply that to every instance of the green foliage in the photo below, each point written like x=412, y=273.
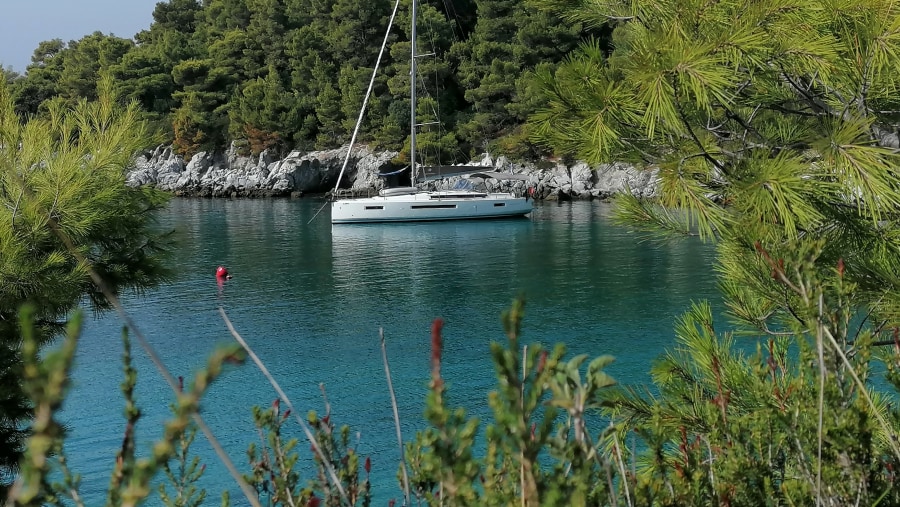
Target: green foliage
x=441, y=460
x=261, y=111
x=72, y=71
x=509, y=39
x=8, y=74
x=195, y=70
x=768, y=126
x=174, y=16
x=188, y=471
x=63, y=180
x=274, y=463
x=795, y=422
x=42, y=79
x=775, y=112
x=46, y=381
x=15, y=407
x=539, y=449
x=357, y=29
x=330, y=119
x=197, y=121
x=84, y=62
x=147, y=79
x=65, y=211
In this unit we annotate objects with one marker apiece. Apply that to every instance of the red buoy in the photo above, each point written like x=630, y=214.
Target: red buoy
x=222, y=272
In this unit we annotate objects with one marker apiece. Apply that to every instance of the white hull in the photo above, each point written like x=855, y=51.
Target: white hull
x=427, y=206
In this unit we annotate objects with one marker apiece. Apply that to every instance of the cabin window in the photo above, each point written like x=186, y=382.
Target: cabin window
x=374, y=207
x=433, y=206
x=499, y=204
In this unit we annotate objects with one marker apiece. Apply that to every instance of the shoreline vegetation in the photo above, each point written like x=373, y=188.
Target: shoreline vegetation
x=290, y=75
x=766, y=121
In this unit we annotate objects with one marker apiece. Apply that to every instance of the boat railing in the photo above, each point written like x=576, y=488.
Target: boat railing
x=353, y=193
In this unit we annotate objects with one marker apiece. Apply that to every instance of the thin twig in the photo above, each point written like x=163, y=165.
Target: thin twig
x=604, y=465
x=621, y=464
x=15, y=210
x=306, y=430
x=820, y=347
x=387, y=373
x=70, y=481
x=609, y=481
x=522, y=411
x=325, y=399
x=712, y=459
x=889, y=433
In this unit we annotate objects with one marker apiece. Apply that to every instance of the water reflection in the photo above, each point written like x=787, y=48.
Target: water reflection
x=414, y=262
x=311, y=297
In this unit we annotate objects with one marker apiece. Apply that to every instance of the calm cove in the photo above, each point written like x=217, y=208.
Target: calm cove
x=310, y=298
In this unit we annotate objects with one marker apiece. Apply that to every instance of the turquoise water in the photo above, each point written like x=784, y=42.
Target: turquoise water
x=311, y=299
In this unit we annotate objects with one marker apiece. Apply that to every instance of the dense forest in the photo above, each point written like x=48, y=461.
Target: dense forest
x=292, y=74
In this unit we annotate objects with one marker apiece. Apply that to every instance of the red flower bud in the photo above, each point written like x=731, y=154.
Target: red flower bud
x=234, y=359
x=437, y=344
x=313, y=501
x=778, y=269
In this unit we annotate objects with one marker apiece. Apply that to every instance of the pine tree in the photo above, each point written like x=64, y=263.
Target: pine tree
x=66, y=211
x=261, y=112
x=509, y=39
x=41, y=81
x=768, y=125
x=145, y=73
x=771, y=125
x=85, y=61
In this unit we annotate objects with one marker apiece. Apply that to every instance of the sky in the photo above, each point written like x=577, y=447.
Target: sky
x=26, y=23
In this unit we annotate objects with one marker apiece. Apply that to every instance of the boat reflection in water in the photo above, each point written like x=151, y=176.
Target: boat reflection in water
x=396, y=260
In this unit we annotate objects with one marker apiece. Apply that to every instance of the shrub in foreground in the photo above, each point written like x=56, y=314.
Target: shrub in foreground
x=795, y=423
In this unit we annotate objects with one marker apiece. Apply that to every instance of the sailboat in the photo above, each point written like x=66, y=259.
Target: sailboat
x=412, y=204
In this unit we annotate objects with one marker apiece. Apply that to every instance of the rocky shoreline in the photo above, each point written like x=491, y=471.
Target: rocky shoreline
x=231, y=175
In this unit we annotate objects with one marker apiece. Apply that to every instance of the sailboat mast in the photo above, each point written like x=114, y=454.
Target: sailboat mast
x=412, y=95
